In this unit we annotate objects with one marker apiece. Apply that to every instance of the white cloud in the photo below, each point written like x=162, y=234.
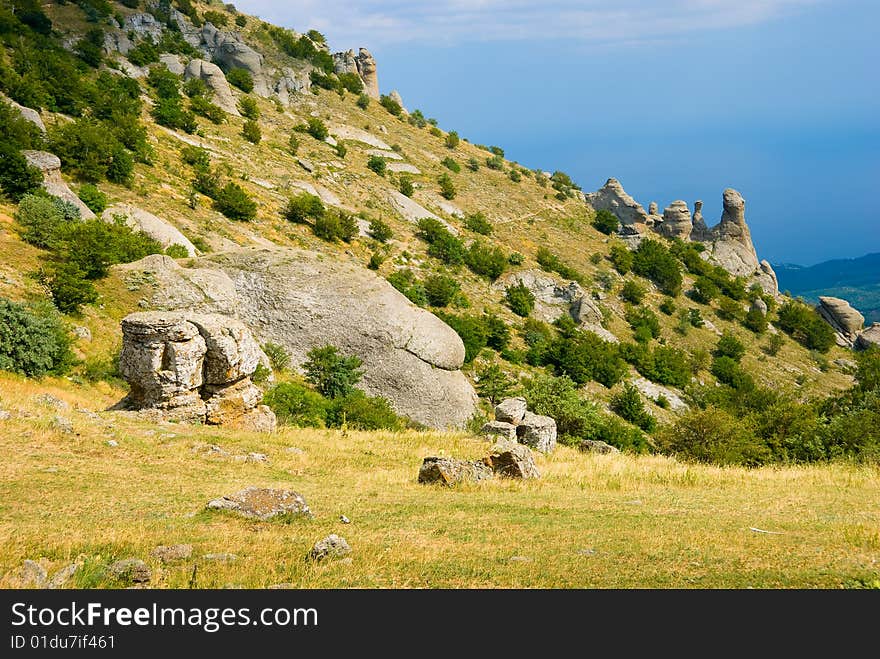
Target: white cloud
x=374, y=23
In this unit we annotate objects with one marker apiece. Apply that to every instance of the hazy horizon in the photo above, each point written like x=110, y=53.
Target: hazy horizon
x=678, y=99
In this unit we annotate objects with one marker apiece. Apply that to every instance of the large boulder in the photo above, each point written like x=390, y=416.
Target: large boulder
x=841, y=316
x=213, y=77
x=231, y=52
x=869, y=337
x=292, y=82
x=345, y=62
x=451, y=471
x=613, y=197
x=732, y=244
x=511, y=411
x=193, y=367
x=512, y=460
x=366, y=66
x=28, y=114
x=263, y=503
x=50, y=165
x=537, y=431
x=155, y=227
x=303, y=300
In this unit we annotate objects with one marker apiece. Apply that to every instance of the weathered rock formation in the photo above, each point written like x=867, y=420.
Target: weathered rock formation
x=193, y=367
x=345, y=62
x=53, y=183
x=395, y=96
x=303, y=300
x=153, y=226
x=514, y=422
x=450, y=471
x=28, y=114
x=677, y=221
x=846, y=321
x=512, y=460
x=230, y=51
x=366, y=66
x=654, y=217
x=213, y=77
x=412, y=211
x=869, y=337
x=172, y=63
x=732, y=242
x=292, y=82
x=613, y=197
x=699, y=232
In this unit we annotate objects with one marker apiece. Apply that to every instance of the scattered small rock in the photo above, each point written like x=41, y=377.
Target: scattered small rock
x=113, y=443
x=344, y=519
x=171, y=553
x=221, y=557
x=295, y=450
x=281, y=586
x=51, y=401
x=262, y=503
x=32, y=574
x=332, y=547
x=307, y=165
x=520, y=559
x=450, y=471
x=83, y=333
x=60, y=578
x=586, y=552
x=62, y=425
x=256, y=457
x=89, y=413
x=4, y=415
x=131, y=570
x=597, y=446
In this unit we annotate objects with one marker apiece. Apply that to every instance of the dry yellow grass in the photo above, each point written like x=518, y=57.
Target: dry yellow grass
x=589, y=522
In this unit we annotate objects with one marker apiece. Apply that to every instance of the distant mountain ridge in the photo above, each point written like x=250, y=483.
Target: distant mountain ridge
x=855, y=280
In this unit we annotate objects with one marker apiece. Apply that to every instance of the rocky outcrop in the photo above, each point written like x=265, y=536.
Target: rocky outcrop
x=677, y=221
x=845, y=320
x=501, y=429
x=213, y=77
x=28, y=114
x=230, y=51
x=53, y=183
x=766, y=277
x=292, y=82
x=511, y=411
x=395, y=96
x=869, y=337
x=303, y=300
x=451, y=471
x=172, y=63
x=412, y=211
x=193, y=367
x=732, y=242
x=512, y=460
x=514, y=421
x=699, y=231
x=153, y=226
x=654, y=217
x=366, y=66
x=345, y=62
x=613, y=197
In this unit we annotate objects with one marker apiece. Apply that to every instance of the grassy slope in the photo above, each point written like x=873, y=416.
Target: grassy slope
x=65, y=496
x=652, y=522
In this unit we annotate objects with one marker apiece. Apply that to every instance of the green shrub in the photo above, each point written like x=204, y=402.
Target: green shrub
x=644, y=323
x=805, y=325
x=712, y=435
x=441, y=243
x=351, y=82
x=633, y=292
x=495, y=162
x=303, y=208
x=654, y=261
x=756, y=321
x=17, y=177
x=473, y=164
x=278, y=356
x=333, y=374
x=377, y=164
x=196, y=157
x=68, y=286
x=667, y=306
x=34, y=340
x=727, y=370
x=94, y=245
x=695, y=318
x=336, y=224
x=774, y=345
x=730, y=346
x=251, y=131
x=552, y=263
x=705, y=290
x=514, y=175
x=486, y=260
x=660, y=364
x=88, y=149
x=729, y=309
x=440, y=290
x=606, y=222
x=447, y=187
x=317, y=129
x=376, y=260
x=583, y=357
x=516, y=258
x=497, y=332
x=296, y=404
x=390, y=104
x=248, y=108
x=358, y=411
x=144, y=52
x=380, y=230
x=240, y=78
x=478, y=223
x=471, y=329
x=451, y=164
x=169, y=112
x=216, y=18
x=405, y=282
x=293, y=143
x=93, y=198
x=406, y=186
x=363, y=101
x=520, y=299
x=628, y=405
x=621, y=258
x=452, y=139
x=234, y=202
x=40, y=220
x=176, y=251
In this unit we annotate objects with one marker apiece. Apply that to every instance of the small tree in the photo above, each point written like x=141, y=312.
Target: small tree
x=248, y=108
x=235, y=203
x=406, y=186
x=520, y=299
x=251, y=131
x=452, y=139
x=317, y=129
x=633, y=291
x=332, y=374
x=628, y=405
x=303, y=208
x=730, y=346
x=380, y=230
x=377, y=164
x=451, y=164
x=621, y=258
x=478, y=223
x=241, y=78
x=440, y=290
x=447, y=187
x=363, y=101
x=494, y=384
x=606, y=222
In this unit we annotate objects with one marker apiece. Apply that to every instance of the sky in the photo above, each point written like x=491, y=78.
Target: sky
x=678, y=99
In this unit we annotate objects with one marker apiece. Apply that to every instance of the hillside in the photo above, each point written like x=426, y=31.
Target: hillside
x=855, y=280
x=270, y=198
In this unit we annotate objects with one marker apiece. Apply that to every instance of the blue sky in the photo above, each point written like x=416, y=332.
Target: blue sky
x=678, y=99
